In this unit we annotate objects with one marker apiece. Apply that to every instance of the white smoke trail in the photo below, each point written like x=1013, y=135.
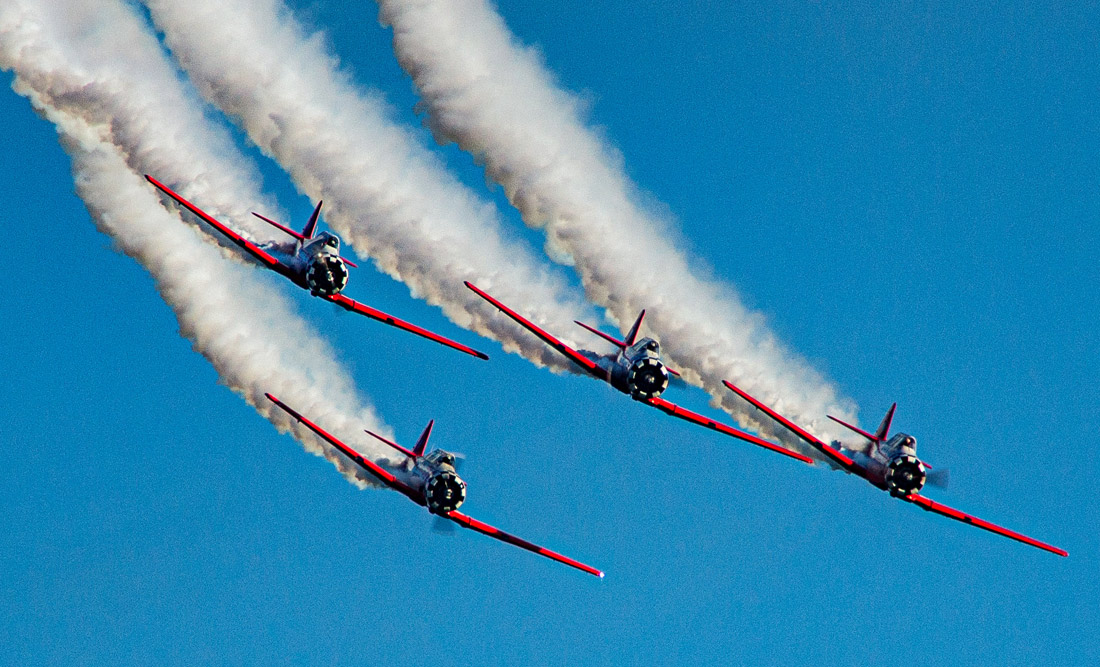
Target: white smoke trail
x=387, y=195
x=238, y=322
x=493, y=97
x=106, y=67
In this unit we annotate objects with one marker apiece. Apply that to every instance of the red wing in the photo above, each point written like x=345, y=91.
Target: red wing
x=834, y=454
x=695, y=418
x=938, y=508
x=385, y=476
x=356, y=307
x=574, y=356
x=484, y=528
x=253, y=249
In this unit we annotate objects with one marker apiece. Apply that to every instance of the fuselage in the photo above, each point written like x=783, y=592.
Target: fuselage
x=891, y=465
x=439, y=485
x=636, y=370
x=314, y=265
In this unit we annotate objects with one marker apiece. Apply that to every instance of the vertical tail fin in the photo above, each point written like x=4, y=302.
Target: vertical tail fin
x=422, y=441
x=311, y=226
x=632, y=335
x=884, y=427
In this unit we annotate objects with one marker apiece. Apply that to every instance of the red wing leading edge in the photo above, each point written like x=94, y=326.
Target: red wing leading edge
x=890, y=464
x=433, y=483
x=312, y=262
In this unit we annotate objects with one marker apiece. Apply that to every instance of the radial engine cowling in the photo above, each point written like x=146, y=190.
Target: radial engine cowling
x=648, y=378
x=445, y=492
x=327, y=275
x=905, y=475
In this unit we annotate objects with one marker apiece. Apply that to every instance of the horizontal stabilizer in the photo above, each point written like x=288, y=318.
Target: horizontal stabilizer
x=391, y=443
x=271, y=222
x=857, y=429
x=610, y=339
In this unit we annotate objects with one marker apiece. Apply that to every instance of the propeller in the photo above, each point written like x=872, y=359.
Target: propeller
x=939, y=478
x=442, y=526
x=460, y=460
x=678, y=382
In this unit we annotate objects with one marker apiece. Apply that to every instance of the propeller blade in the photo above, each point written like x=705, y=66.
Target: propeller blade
x=441, y=526
x=678, y=382
x=460, y=460
x=939, y=478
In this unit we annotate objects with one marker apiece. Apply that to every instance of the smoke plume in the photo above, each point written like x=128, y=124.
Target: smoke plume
x=232, y=316
x=385, y=193
x=494, y=97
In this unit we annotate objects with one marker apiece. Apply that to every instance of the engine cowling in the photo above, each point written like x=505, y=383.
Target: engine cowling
x=647, y=378
x=905, y=475
x=327, y=275
x=445, y=492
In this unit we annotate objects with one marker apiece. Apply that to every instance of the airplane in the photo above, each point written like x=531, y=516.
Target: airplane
x=891, y=464
x=313, y=263
x=431, y=482
x=636, y=370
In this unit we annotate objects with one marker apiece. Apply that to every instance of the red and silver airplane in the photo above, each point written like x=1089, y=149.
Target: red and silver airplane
x=312, y=263
x=431, y=482
x=892, y=465
x=636, y=370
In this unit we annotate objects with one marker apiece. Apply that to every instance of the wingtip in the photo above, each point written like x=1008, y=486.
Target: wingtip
x=481, y=355
x=271, y=398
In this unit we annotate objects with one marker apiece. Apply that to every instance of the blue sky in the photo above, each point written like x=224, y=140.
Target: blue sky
x=909, y=195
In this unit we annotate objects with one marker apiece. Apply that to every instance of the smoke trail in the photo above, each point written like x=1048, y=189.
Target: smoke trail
x=106, y=67
x=241, y=325
x=494, y=98
x=390, y=197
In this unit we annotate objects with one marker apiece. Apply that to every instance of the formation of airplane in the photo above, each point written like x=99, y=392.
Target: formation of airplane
x=431, y=482
x=312, y=263
x=890, y=464
x=636, y=370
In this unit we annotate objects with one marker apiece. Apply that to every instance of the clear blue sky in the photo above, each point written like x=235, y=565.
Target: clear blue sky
x=911, y=196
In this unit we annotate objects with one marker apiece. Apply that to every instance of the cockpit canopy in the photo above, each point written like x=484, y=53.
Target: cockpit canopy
x=440, y=457
x=646, y=347
x=328, y=241
x=902, y=442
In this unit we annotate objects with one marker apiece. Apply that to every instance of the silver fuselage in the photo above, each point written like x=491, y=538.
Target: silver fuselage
x=636, y=370
x=892, y=465
x=315, y=265
x=435, y=478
